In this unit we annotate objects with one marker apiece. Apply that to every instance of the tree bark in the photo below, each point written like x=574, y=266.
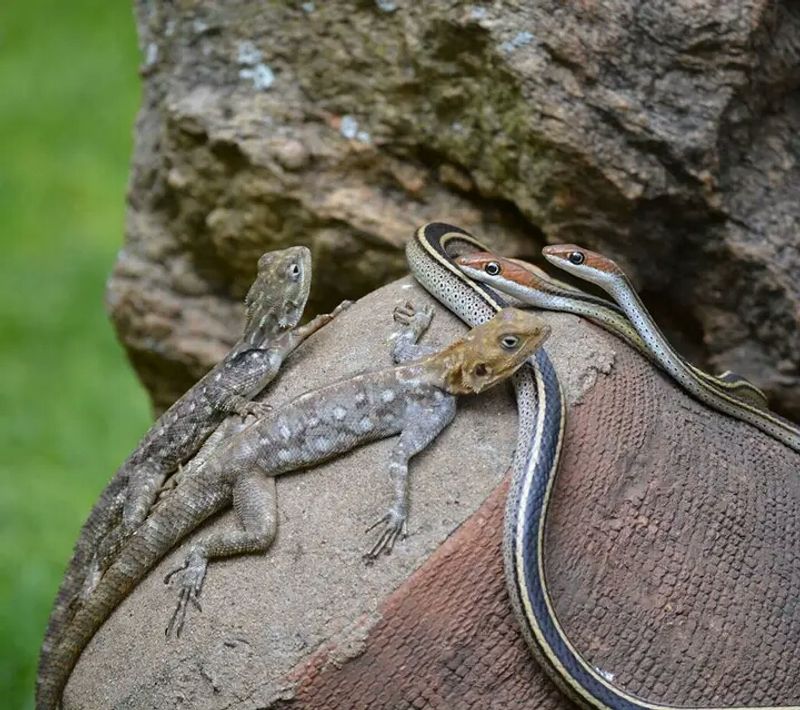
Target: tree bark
x=661, y=133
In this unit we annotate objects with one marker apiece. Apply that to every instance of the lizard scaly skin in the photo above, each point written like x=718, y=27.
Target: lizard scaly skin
x=415, y=400
x=275, y=304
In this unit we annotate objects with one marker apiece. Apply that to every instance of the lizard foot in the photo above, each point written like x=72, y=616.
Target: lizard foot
x=395, y=526
x=343, y=306
x=408, y=315
x=172, y=482
x=255, y=409
x=193, y=572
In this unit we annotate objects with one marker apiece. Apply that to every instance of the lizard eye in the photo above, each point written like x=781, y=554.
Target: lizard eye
x=509, y=342
x=492, y=268
x=480, y=369
x=293, y=272
x=576, y=257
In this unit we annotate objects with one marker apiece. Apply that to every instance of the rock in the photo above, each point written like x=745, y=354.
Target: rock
x=671, y=553
x=663, y=134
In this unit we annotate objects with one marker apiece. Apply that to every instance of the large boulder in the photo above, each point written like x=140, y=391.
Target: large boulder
x=672, y=555
x=661, y=133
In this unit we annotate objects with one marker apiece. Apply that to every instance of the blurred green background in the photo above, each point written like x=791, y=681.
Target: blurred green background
x=70, y=407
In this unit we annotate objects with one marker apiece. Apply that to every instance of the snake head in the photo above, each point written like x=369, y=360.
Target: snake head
x=489, y=268
x=492, y=352
x=583, y=263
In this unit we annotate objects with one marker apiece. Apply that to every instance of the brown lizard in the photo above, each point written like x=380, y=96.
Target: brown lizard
x=275, y=304
x=415, y=399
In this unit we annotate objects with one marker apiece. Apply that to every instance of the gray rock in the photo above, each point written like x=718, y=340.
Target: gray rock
x=262, y=614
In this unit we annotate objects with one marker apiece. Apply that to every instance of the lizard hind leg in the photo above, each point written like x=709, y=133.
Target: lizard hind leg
x=255, y=504
x=144, y=483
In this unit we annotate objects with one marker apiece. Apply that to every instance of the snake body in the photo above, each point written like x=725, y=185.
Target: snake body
x=535, y=288
x=540, y=405
x=603, y=272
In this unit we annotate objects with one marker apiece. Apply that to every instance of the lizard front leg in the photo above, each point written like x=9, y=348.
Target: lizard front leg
x=244, y=405
x=423, y=422
x=413, y=323
x=255, y=503
x=299, y=334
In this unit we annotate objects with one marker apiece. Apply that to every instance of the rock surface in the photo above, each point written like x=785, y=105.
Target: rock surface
x=661, y=133
x=671, y=551
x=262, y=614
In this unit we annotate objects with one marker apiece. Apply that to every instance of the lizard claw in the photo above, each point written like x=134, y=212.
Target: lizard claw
x=254, y=409
x=193, y=572
x=343, y=306
x=404, y=314
x=408, y=315
x=395, y=527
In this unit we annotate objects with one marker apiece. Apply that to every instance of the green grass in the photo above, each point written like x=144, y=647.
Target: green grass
x=70, y=407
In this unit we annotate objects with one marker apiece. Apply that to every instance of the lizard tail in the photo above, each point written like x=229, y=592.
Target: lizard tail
x=168, y=524
x=57, y=664
x=106, y=514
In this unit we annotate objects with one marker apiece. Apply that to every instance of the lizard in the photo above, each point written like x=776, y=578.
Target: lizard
x=415, y=399
x=274, y=306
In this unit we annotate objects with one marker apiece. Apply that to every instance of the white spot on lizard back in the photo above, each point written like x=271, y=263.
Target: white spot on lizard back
x=339, y=413
x=388, y=396
x=321, y=444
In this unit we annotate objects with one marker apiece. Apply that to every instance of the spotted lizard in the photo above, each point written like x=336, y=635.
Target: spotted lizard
x=274, y=306
x=415, y=399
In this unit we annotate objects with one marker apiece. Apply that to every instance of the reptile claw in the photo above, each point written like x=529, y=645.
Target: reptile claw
x=374, y=525
x=194, y=572
x=405, y=313
x=409, y=316
x=396, y=528
x=169, y=575
x=254, y=409
x=343, y=306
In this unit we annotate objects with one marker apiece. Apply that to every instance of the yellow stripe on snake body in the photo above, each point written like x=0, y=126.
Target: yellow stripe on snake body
x=541, y=425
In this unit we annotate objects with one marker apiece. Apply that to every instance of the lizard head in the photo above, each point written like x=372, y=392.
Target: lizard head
x=277, y=298
x=493, y=351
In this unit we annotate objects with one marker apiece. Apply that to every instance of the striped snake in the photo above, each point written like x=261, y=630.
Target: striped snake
x=534, y=287
x=603, y=272
x=541, y=410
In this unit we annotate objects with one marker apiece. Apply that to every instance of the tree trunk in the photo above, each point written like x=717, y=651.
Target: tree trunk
x=661, y=133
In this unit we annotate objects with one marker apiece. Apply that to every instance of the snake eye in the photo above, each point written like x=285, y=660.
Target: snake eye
x=480, y=369
x=576, y=257
x=492, y=268
x=509, y=342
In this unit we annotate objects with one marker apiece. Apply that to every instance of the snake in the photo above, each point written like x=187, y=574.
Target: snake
x=542, y=416
x=533, y=287
x=603, y=272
